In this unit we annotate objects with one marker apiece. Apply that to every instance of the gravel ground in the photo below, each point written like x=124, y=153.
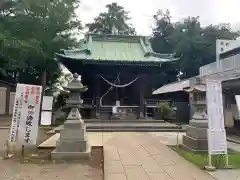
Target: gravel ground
x=13, y=169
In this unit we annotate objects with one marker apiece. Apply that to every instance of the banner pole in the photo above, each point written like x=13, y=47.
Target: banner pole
x=227, y=165
x=209, y=160
x=210, y=167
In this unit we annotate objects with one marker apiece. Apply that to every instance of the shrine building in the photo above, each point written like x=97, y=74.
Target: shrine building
x=117, y=70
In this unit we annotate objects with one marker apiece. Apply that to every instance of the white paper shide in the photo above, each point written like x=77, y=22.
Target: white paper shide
x=26, y=111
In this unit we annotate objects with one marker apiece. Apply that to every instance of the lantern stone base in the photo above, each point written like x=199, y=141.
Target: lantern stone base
x=195, y=145
x=71, y=155
x=72, y=144
x=196, y=136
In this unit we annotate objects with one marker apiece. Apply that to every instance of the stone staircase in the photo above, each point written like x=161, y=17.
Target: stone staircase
x=96, y=125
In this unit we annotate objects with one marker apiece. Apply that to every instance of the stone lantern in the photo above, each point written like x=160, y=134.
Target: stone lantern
x=196, y=132
x=72, y=144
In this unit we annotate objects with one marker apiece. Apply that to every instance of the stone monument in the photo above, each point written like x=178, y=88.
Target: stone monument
x=196, y=132
x=72, y=144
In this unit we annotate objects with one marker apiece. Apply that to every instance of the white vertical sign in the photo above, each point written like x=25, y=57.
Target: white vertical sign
x=47, y=103
x=26, y=114
x=46, y=114
x=16, y=115
x=28, y=128
x=215, y=104
x=217, y=143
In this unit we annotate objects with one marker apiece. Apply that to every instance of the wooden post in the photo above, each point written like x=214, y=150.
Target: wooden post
x=7, y=149
x=141, y=96
x=22, y=153
x=97, y=95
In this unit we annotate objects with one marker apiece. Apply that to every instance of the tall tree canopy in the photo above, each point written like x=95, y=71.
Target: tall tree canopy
x=31, y=32
x=196, y=44
x=115, y=20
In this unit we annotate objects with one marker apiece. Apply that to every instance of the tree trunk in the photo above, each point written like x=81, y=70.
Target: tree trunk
x=44, y=80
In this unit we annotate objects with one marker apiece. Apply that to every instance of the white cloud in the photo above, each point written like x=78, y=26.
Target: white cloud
x=210, y=11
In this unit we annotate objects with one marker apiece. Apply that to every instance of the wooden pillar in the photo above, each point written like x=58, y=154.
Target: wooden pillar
x=97, y=95
x=117, y=93
x=142, y=86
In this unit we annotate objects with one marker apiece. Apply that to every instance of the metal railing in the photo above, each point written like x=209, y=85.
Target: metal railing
x=224, y=65
x=208, y=69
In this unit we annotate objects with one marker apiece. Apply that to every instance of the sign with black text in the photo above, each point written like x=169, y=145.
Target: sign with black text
x=26, y=114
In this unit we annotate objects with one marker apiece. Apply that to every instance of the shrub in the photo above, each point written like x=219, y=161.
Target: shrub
x=164, y=109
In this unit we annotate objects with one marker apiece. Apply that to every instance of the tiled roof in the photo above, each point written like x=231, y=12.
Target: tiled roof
x=116, y=48
x=173, y=87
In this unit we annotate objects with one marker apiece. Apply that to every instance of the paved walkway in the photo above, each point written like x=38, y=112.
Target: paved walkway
x=226, y=174
x=141, y=156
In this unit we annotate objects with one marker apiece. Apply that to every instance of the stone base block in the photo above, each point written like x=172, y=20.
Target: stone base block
x=72, y=134
x=196, y=132
x=72, y=146
x=192, y=150
x=195, y=144
x=55, y=155
x=74, y=124
x=199, y=123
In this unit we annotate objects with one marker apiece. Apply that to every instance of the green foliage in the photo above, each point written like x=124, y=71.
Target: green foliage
x=164, y=109
x=31, y=32
x=201, y=160
x=115, y=19
x=196, y=44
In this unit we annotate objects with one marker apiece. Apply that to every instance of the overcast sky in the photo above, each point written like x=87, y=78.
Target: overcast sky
x=210, y=11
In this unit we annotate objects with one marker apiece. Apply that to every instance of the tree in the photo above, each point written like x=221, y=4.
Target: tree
x=162, y=30
x=198, y=44
x=161, y=42
x=32, y=32
x=188, y=39
x=115, y=20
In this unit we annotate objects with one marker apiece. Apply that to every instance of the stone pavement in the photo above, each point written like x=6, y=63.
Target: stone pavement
x=147, y=150
x=226, y=174
x=141, y=156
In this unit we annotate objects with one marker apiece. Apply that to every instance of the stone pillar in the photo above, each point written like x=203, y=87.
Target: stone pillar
x=72, y=144
x=196, y=132
x=191, y=104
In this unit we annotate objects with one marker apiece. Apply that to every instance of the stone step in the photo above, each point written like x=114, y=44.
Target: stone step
x=122, y=121
x=128, y=130
x=130, y=127
x=135, y=130
x=133, y=127
x=233, y=139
